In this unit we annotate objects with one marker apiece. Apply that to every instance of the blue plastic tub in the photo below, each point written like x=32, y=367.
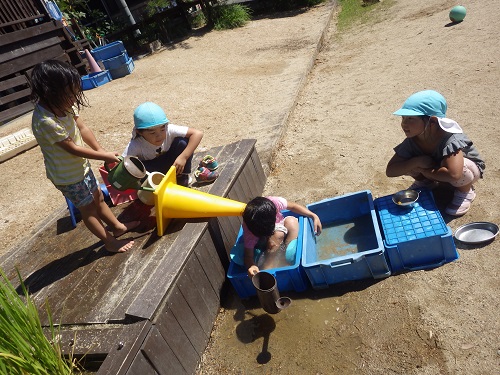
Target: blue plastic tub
x=116, y=62
x=109, y=50
x=123, y=70
x=289, y=278
x=93, y=80
x=416, y=237
x=350, y=246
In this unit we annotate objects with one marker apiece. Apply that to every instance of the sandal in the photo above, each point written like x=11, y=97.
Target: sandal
x=203, y=174
x=461, y=203
x=209, y=162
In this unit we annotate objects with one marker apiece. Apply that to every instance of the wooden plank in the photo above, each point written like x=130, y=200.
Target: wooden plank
x=21, y=51
x=141, y=366
x=13, y=112
x=177, y=340
x=195, y=300
x=230, y=227
x=187, y=320
x=13, y=82
x=226, y=230
x=31, y=32
x=212, y=267
x=30, y=60
x=99, y=341
x=261, y=176
x=15, y=96
x=159, y=354
x=19, y=21
x=197, y=269
x=121, y=357
x=218, y=242
x=148, y=300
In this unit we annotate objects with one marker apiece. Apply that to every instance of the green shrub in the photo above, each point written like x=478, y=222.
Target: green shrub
x=198, y=20
x=155, y=6
x=24, y=349
x=230, y=16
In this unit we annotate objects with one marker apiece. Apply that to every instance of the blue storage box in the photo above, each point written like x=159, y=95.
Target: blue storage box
x=289, y=278
x=116, y=62
x=416, y=237
x=109, y=50
x=350, y=246
x=93, y=80
x=123, y=70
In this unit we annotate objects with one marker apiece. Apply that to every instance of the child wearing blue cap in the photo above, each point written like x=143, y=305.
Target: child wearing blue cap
x=160, y=144
x=436, y=150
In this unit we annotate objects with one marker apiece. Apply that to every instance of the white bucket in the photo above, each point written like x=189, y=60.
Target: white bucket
x=153, y=180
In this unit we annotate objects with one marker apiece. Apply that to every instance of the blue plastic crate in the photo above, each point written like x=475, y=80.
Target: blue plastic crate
x=350, y=246
x=116, y=62
x=289, y=278
x=93, y=80
x=109, y=50
x=416, y=237
x=123, y=70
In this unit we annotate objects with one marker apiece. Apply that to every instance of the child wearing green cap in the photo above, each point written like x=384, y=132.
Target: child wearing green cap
x=160, y=144
x=436, y=150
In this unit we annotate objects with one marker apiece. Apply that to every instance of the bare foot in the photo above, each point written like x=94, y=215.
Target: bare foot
x=119, y=246
x=125, y=228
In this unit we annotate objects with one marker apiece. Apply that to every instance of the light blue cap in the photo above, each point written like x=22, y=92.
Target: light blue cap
x=424, y=103
x=148, y=115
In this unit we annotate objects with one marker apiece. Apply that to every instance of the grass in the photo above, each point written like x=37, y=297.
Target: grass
x=353, y=12
x=230, y=16
x=24, y=349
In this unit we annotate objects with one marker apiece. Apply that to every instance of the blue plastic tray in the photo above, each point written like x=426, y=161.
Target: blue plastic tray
x=415, y=237
x=93, y=80
x=350, y=247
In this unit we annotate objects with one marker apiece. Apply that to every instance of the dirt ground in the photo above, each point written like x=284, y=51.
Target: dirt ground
x=321, y=135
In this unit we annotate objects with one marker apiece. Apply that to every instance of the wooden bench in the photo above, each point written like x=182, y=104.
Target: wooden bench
x=150, y=310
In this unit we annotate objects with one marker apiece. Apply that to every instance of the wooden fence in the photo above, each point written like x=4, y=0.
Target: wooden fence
x=27, y=36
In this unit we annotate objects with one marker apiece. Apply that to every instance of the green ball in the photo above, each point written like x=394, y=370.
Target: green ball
x=457, y=13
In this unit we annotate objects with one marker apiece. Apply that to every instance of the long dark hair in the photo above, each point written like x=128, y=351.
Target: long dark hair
x=52, y=80
x=260, y=216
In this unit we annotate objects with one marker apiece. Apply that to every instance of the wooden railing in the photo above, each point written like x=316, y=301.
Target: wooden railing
x=21, y=14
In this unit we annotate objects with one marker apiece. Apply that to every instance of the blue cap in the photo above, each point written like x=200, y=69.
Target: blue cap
x=148, y=115
x=424, y=103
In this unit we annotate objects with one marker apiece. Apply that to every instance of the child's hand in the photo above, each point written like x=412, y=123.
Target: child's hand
x=179, y=164
x=110, y=157
x=317, y=226
x=253, y=270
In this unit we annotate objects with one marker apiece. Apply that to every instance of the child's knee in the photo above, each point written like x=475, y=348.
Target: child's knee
x=292, y=225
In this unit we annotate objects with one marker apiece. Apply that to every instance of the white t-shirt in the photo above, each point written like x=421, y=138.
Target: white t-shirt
x=144, y=150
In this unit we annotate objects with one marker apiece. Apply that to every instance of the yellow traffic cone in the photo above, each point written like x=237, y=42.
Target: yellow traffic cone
x=175, y=201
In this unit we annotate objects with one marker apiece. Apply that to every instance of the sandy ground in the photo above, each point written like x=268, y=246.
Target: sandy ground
x=331, y=130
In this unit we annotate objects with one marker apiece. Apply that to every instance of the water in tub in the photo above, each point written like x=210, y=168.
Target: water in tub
x=276, y=259
x=342, y=238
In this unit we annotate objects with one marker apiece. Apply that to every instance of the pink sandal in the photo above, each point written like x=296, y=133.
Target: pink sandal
x=203, y=174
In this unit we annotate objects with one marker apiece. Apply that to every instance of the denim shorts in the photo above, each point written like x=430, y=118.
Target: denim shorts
x=81, y=193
